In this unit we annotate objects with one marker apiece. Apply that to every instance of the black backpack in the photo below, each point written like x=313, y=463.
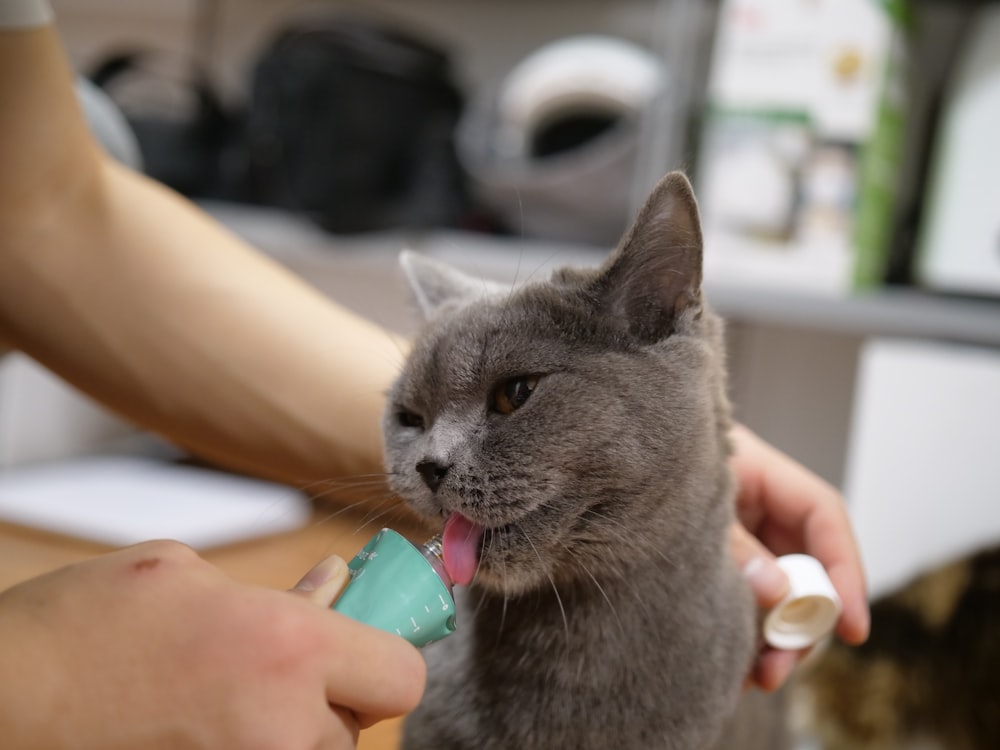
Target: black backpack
x=348, y=121
x=353, y=123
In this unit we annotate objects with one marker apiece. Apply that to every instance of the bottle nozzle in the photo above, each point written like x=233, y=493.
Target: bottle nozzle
x=433, y=552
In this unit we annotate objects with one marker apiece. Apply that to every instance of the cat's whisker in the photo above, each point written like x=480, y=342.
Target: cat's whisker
x=515, y=283
x=517, y=272
x=624, y=581
x=353, y=499
x=503, y=607
x=347, y=485
x=520, y=212
x=667, y=558
x=548, y=259
x=380, y=511
x=691, y=526
x=375, y=502
x=364, y=485
x=484, y=550
x=480, y=602
x=397, y=342
x=555, y=589
x=369, y=519
x=343, y=481
x=360, y=496
x=350, y=493
x=572, y=552
x=353, y=506
x=348, y=478
x=324, y=487
x=604, y=517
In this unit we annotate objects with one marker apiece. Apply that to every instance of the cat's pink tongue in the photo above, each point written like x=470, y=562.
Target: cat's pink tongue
x=460, y=543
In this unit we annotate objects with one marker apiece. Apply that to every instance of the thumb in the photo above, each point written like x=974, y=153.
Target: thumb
x=768, y=582
x=324, y=583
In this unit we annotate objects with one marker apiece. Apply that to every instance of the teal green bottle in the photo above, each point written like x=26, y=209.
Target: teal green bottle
x=400, y=588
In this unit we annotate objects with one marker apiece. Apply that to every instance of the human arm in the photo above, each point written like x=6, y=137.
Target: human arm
x=132, y=294
x=151, y=647
x=784, y=508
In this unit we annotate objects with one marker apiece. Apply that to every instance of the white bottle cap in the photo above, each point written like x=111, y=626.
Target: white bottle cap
x=810, y=610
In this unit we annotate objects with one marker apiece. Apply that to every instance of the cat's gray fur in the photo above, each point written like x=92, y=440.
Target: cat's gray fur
x=607, y=612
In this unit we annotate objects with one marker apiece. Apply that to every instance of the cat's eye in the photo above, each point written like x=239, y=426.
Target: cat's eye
x=511, y=394
x=410, y=419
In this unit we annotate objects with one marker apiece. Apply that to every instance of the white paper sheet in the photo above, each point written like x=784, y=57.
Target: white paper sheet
x=122, y=500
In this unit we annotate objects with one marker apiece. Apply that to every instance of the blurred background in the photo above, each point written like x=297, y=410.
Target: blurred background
x=846, y=160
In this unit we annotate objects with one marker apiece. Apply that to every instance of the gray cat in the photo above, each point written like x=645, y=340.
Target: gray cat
x=572, y=434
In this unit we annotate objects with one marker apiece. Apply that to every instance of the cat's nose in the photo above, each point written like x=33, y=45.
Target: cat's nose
x=432, y=472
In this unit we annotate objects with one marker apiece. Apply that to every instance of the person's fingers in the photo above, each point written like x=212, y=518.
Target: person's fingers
x=826, y=534
x=774, y=667
x=773, y=486
x=343, y=730
x=825, y=530
x=325, y=582
x=768, y=582
x=790, y=509
x=372, y=673
x=854, y=623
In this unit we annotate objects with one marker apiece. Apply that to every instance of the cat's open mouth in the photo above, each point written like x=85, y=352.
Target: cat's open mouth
x=461, y=542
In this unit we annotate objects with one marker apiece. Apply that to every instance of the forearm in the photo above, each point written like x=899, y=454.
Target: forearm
x=136, y=297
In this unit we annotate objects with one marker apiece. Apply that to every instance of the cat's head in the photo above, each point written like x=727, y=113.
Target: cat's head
x=567, y=424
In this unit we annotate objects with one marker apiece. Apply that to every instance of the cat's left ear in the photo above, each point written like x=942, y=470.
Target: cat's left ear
x=654, y=276
x=436, y=284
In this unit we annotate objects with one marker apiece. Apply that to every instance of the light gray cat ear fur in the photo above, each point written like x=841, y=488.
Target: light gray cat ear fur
x=655, y=274
x=435, y=284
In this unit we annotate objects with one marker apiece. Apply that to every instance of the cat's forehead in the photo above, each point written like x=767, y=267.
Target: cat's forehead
x=481, y=335
x=467, y=347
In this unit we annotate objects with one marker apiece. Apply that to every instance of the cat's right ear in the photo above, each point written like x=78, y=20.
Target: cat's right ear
x=654, y=276
x=436, y=284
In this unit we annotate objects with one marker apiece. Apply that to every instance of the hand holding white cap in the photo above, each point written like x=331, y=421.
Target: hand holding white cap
x=809, y=611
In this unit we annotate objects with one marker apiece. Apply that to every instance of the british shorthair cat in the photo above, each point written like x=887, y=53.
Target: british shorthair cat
x=571, y=435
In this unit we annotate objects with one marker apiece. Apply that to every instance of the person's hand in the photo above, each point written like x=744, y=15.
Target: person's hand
x=784, y=508
x=152, y=647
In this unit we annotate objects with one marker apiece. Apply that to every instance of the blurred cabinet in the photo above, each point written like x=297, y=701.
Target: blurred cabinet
x=922, y=474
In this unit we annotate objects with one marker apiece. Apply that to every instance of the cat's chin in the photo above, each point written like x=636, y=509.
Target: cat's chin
x=510, y=562
x=509, y=582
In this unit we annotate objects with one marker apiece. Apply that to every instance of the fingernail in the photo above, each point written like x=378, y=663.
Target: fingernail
x=769, y=582
x=330, y=568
